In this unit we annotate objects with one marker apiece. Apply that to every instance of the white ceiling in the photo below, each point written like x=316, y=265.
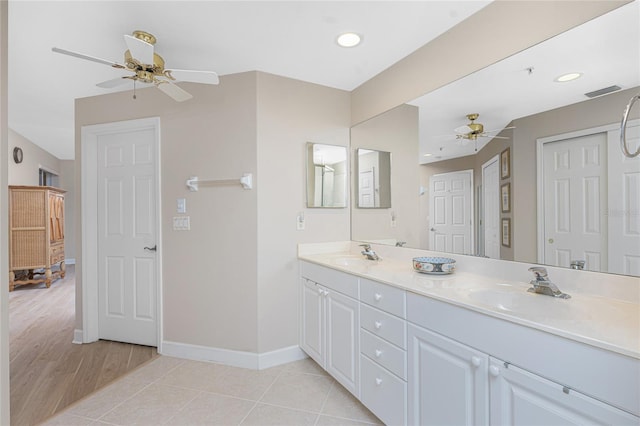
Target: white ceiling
x=295, y=39
x=606, y=50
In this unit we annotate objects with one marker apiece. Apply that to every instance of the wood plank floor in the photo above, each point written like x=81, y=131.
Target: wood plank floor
x=48, y=372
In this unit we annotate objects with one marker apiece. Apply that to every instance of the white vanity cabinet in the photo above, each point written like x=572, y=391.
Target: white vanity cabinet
x=448, y=381
x=519, y=397
x=383, y=344
x=330, y=323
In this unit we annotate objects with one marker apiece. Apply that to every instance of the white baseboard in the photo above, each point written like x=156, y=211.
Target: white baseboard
x=77, y=337
x=233, y=358
x=70, y=261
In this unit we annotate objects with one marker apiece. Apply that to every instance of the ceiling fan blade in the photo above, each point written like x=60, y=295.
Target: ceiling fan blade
x=492, y=136
x=192, y=76
x=87, y=57
x=463, y=129
x=140, y=50
x=499, y=130
x=174, y=91
x=109, y=84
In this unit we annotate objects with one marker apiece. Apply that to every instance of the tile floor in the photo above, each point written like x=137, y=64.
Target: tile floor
x=173, y=391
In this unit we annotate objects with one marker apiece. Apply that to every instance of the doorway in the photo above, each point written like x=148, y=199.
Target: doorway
x=491, y=209
x=451, y=212
x=121, y=268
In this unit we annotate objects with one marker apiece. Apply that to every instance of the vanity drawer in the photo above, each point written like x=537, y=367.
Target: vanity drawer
x=383, y=393
x=384, y=353
x=384, y=325
x=382, y=296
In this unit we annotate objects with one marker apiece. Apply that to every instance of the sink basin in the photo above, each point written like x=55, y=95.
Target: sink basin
x=510, y=301
x=352, y=261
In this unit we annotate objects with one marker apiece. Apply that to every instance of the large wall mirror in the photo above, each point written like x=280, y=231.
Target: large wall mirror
x=374, y=179
x=559, y=140
x=326, y=175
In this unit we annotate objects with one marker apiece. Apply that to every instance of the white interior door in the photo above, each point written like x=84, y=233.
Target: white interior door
x=491, y=208
x=575, y=201
x=126, y=195
x=366, y=188
x=624, y=203
x=451, y=212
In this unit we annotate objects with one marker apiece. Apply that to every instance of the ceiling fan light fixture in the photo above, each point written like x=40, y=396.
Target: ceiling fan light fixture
x=568, y=77
x=349, y=39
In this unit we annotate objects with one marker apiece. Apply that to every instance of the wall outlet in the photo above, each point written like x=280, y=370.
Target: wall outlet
x=182, y=223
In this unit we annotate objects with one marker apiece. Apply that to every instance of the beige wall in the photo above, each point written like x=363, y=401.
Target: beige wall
x=500, y=29
x=27, y=172
x=290, y=114
x=231, y=282
x=395, y=131
x=210, y=272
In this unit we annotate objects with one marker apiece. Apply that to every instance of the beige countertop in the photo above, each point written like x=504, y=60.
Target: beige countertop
x=605, y=322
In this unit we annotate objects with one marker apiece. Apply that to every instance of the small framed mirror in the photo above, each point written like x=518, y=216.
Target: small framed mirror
x=326, y=175
x=374, y=179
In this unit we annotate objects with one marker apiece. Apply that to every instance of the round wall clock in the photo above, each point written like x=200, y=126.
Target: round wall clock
x=17, y=155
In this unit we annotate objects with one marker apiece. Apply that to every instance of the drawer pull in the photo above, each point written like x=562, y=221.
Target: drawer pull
x=475, y=361
x=494, y=371
x=377, y=325
x=378, y=381
x=378, y=353
x=377, y=296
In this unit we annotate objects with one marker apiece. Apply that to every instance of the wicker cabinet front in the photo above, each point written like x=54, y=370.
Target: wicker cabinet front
x=36, y=235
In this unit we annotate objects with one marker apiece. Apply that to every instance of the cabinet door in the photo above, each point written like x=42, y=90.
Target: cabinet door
x=343, y=349
x=522, y=398
x=312, y=330
x=448, y=383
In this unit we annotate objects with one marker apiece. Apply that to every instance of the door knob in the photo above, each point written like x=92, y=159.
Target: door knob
x=432, y=229
x=154, y=248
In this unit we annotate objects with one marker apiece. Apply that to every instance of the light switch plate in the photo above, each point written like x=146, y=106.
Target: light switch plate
x=181, y=205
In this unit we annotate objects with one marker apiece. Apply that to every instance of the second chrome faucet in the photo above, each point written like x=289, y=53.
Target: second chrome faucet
x=543, y=285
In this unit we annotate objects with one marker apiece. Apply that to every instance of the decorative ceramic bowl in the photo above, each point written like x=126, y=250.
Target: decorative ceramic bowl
x=434, y=265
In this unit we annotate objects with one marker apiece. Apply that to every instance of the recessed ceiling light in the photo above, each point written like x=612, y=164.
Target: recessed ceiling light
x=568, y=77
x=349, y=39
x=428, y=155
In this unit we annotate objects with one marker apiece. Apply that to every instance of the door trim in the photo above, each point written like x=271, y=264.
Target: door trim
x=481, y=205
x=89, y=210
x=540, y=143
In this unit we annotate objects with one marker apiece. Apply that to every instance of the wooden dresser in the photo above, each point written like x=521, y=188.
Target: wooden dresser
x=36, y=235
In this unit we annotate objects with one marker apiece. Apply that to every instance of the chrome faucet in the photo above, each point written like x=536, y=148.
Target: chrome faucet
x=542, y=284
x=577, y=264
x=369, y=253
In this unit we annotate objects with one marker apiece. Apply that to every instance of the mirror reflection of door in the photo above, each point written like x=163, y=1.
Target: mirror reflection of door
x=575, y=198
x=367, y=188
x=451, y=212
x=326, y=175
x=491, y=208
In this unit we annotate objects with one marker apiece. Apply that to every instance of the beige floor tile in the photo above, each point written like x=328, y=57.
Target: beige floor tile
x=341, y=403
x=212, y=409
x=307, y=366
x=154, y=405
x=193, y=375
x=267, y=415
x=103, y=401
x=299, y=391
x=336, y=421
x=241, y=382
x=155, y=369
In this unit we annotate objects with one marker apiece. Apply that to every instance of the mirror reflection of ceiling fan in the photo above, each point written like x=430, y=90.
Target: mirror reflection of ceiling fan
x=473, y=130
x=148, y=68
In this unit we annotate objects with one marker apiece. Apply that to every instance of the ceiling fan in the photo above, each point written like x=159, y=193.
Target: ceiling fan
x=148, y=68
x=473, y=130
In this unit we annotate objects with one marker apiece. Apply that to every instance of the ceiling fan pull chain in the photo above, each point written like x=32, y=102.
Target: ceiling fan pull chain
x=134, y=89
